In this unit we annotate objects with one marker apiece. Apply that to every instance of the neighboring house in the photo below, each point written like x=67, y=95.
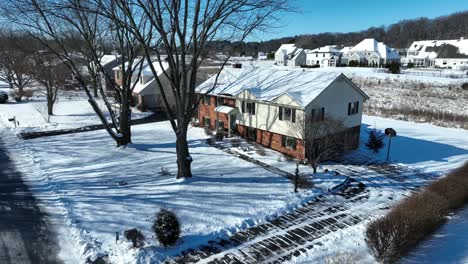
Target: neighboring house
x=109, y=62
x=146, y=94
x=370, y=52
x=439, y=53
x=262, y=56
x=290, y=55
x=327, y=56
x=270, y=106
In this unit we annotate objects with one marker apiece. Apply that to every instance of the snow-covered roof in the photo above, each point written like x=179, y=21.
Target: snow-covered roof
x=346, y=49
x=146, y=69
x=269, y=84
x=224, y=109
x=326, y=49
x=373, y=45
x=106, y=59
x=296, y=53
x=425, y=48
x=287, y=49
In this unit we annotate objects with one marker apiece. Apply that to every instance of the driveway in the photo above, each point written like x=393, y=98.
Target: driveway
x=25, y=234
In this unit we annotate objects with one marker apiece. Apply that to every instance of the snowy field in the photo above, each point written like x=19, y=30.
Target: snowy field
x=71, y=110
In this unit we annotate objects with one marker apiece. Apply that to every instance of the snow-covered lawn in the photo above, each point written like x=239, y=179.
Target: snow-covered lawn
x=422, y=147
x=100, y=189
x=104, y=190
x=70, y=111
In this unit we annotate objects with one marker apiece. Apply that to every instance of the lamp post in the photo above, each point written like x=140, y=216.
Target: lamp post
x=390, y=132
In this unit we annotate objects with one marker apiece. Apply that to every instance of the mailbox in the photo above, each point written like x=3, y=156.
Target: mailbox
x=390, y=132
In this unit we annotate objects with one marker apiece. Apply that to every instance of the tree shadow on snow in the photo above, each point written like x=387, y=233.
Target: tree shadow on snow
x=412, y=150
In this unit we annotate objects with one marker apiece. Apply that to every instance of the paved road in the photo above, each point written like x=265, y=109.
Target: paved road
x=25, y=235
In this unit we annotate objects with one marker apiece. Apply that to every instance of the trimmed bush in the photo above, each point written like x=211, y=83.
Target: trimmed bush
x=167, y=227
x=392, y=236
x=3, y=97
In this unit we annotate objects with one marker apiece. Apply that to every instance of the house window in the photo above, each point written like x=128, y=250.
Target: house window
x=317, y=115
x=316, y=55
x=118, y=75
x=141, y=79
x=206, y=100
x=206, y=121
x=287, y=114
x=248, y=107
x=353, y=108
x=219, y=101
x=288, y=142
x=252, y=134
x=324, y=55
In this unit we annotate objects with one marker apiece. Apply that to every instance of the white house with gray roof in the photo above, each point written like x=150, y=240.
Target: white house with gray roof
x=439, y=53
x=268, y=105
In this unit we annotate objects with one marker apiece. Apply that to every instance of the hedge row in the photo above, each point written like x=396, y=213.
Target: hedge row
x=392, y=236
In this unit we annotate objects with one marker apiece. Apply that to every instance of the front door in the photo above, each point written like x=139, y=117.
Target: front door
x=232, y=126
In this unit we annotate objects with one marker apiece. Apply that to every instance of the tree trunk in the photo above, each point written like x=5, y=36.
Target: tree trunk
x=124, y=122
x=315, y=168
x=95, y=87
x=184, y=160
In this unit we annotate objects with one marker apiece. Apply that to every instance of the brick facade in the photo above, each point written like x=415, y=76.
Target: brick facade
x=268, y=139
x=274, y=141
x=208, y=111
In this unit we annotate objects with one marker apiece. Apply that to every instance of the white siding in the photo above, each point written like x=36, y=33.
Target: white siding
x=335, y=100
x=267, y=115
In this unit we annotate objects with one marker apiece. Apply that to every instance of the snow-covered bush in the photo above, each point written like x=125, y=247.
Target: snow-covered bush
x=167, y=227
x=375, y=141
x=465, y=86
x=137, y=238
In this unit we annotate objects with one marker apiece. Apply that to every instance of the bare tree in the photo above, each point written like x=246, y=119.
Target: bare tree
x=15, y=60
x=59, y=24
x=50, y=72
x=323, y=139
x=178, y=32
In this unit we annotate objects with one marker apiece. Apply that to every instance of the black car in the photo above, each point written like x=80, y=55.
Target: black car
x=3, y=97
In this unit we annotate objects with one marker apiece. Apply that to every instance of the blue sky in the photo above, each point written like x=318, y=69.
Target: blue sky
x=319, y=16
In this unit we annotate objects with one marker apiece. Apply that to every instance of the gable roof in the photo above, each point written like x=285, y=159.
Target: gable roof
x=326, y=49
x=374, y=46
x=287, y=49
x=269, y=84
x=429, y=48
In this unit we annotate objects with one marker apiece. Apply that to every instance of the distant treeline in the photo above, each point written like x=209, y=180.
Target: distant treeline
x=398, y=35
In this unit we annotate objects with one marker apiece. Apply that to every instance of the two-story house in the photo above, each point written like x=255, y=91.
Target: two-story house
x=271, y=106
x=146, y=93
x=372, y=53
x=327, y=56
x=439, y=53
x=290, y=55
